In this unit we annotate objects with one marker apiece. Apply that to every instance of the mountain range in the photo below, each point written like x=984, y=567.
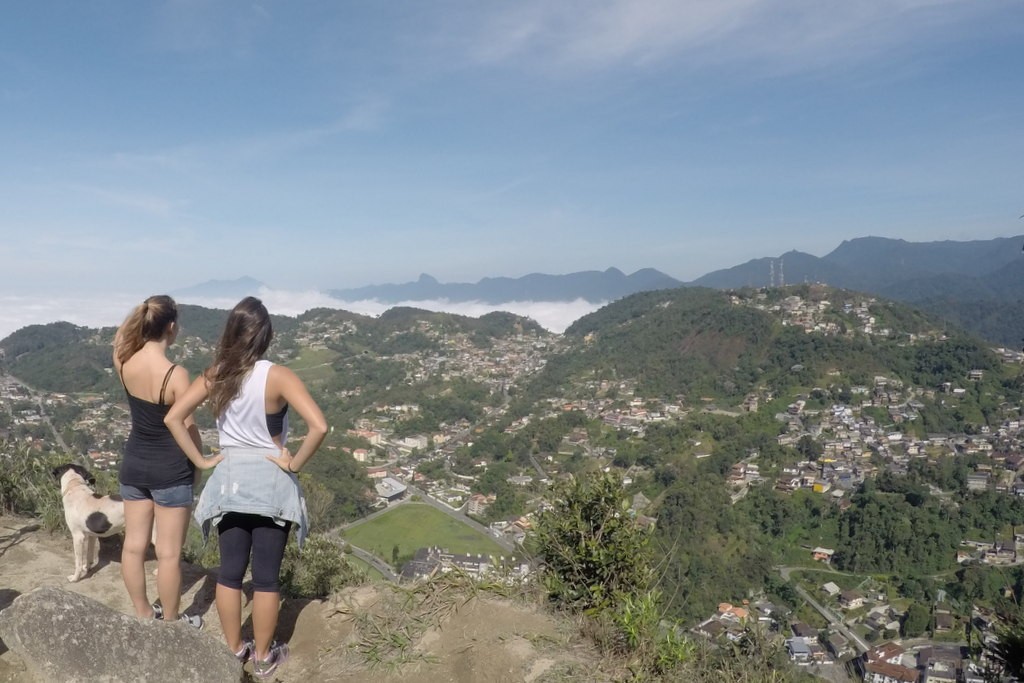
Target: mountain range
x=590, y=285
x=977, y=285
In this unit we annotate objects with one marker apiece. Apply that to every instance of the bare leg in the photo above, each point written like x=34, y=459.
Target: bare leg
x=138, y=524
x=229, y=609
x=265, y=607
x=171, y=525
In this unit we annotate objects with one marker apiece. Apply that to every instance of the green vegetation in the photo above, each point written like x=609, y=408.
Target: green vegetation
x=318, y=570
x=28, y=487
x=368, y=570
x=336, y=488
x=314, y=364
x=694, y=355
x=417, y=525
x=594, y=554
x=597, y=561
x=59, y=357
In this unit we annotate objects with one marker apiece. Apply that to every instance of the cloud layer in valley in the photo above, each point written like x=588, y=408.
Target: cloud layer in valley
x=92, y=311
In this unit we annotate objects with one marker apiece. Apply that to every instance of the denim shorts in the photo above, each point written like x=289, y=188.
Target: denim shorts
x=179, y=496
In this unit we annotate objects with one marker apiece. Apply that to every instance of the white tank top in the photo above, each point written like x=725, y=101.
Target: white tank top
x=243, y=423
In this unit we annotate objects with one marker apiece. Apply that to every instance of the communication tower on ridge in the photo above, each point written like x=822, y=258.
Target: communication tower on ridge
x=772, y=280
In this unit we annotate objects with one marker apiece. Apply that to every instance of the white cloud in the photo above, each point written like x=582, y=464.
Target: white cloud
x=103, y=310
x=787, y=34
x=555, y=316
x=17, y=312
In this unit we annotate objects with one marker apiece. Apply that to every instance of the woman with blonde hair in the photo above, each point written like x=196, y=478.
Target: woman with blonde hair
x=253, y=497
x=156, y=477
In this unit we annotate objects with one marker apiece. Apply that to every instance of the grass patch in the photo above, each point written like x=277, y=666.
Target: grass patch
x=416, y=525
x=314, y=364
x=372, y=573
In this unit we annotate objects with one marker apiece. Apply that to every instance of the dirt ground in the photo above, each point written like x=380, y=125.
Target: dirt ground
x=365, y=634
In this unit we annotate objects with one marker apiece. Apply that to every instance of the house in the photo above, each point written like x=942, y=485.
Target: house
x=729, y=612
x=711, y=629
x=802, y=630
x=831, y=589
x=851, y=599
x=838, y=645
x=428, y=561
x=799, y=651
x=883, y=664
x=377, y=472
x=767, y=612
x=944, y=622
x=941, y=664
x=822, y=554
x=885, y=652
x=884, y=672
x=478, y=503
x=390, y=490
x=977, y=481
x=1014, y=462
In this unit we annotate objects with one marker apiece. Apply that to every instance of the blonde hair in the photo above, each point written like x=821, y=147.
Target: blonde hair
x=246, y=338
x=148, y=321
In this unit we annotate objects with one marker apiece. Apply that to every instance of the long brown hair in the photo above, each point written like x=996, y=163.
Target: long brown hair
x=246, y=338
x=148, y=321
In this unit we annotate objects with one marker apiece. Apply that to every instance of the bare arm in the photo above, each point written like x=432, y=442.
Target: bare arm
x=183, y=428
x=178, y=386
x=287, y=384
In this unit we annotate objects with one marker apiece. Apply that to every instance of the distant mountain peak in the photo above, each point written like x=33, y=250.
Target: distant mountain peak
x=221, y=289
x=592, y=285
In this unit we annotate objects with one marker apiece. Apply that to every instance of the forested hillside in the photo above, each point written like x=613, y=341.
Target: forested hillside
x=750, y=425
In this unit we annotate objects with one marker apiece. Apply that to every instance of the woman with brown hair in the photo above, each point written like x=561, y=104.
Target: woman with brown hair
x=156, y=477
x=253, y=497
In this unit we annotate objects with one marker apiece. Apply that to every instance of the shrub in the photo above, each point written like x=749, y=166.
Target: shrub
x=317, y=571
x=196, y=551
x=592, y=550
x=27, y=485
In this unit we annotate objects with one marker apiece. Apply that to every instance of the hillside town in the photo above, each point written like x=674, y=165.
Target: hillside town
x=858, y=433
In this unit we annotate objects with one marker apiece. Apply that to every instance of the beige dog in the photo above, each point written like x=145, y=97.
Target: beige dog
x=89, y=516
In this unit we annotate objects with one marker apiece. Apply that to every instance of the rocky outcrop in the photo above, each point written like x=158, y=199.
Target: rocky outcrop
x=65, y=636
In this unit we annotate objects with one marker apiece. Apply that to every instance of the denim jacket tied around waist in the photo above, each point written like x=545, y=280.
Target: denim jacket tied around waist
x=245, y=481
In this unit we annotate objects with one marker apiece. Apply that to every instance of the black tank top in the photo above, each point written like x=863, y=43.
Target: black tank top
x=152, y=458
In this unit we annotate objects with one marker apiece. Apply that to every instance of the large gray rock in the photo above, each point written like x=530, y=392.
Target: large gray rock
x=65, y=636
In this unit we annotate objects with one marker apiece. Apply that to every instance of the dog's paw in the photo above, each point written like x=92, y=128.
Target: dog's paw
x=76, y=577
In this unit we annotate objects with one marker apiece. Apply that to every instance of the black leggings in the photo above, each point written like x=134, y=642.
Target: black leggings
x=240, y=534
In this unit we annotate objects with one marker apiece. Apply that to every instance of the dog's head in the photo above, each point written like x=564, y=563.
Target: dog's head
x=76, y=470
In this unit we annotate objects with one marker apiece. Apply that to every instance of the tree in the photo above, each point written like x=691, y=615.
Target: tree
x=917, y=620
x=809, y=448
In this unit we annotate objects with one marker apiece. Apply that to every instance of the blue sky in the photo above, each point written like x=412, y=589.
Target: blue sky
x=153, y=145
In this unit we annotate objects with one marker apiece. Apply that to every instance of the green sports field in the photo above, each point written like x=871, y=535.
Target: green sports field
x=313, y=364
x=416, y=525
